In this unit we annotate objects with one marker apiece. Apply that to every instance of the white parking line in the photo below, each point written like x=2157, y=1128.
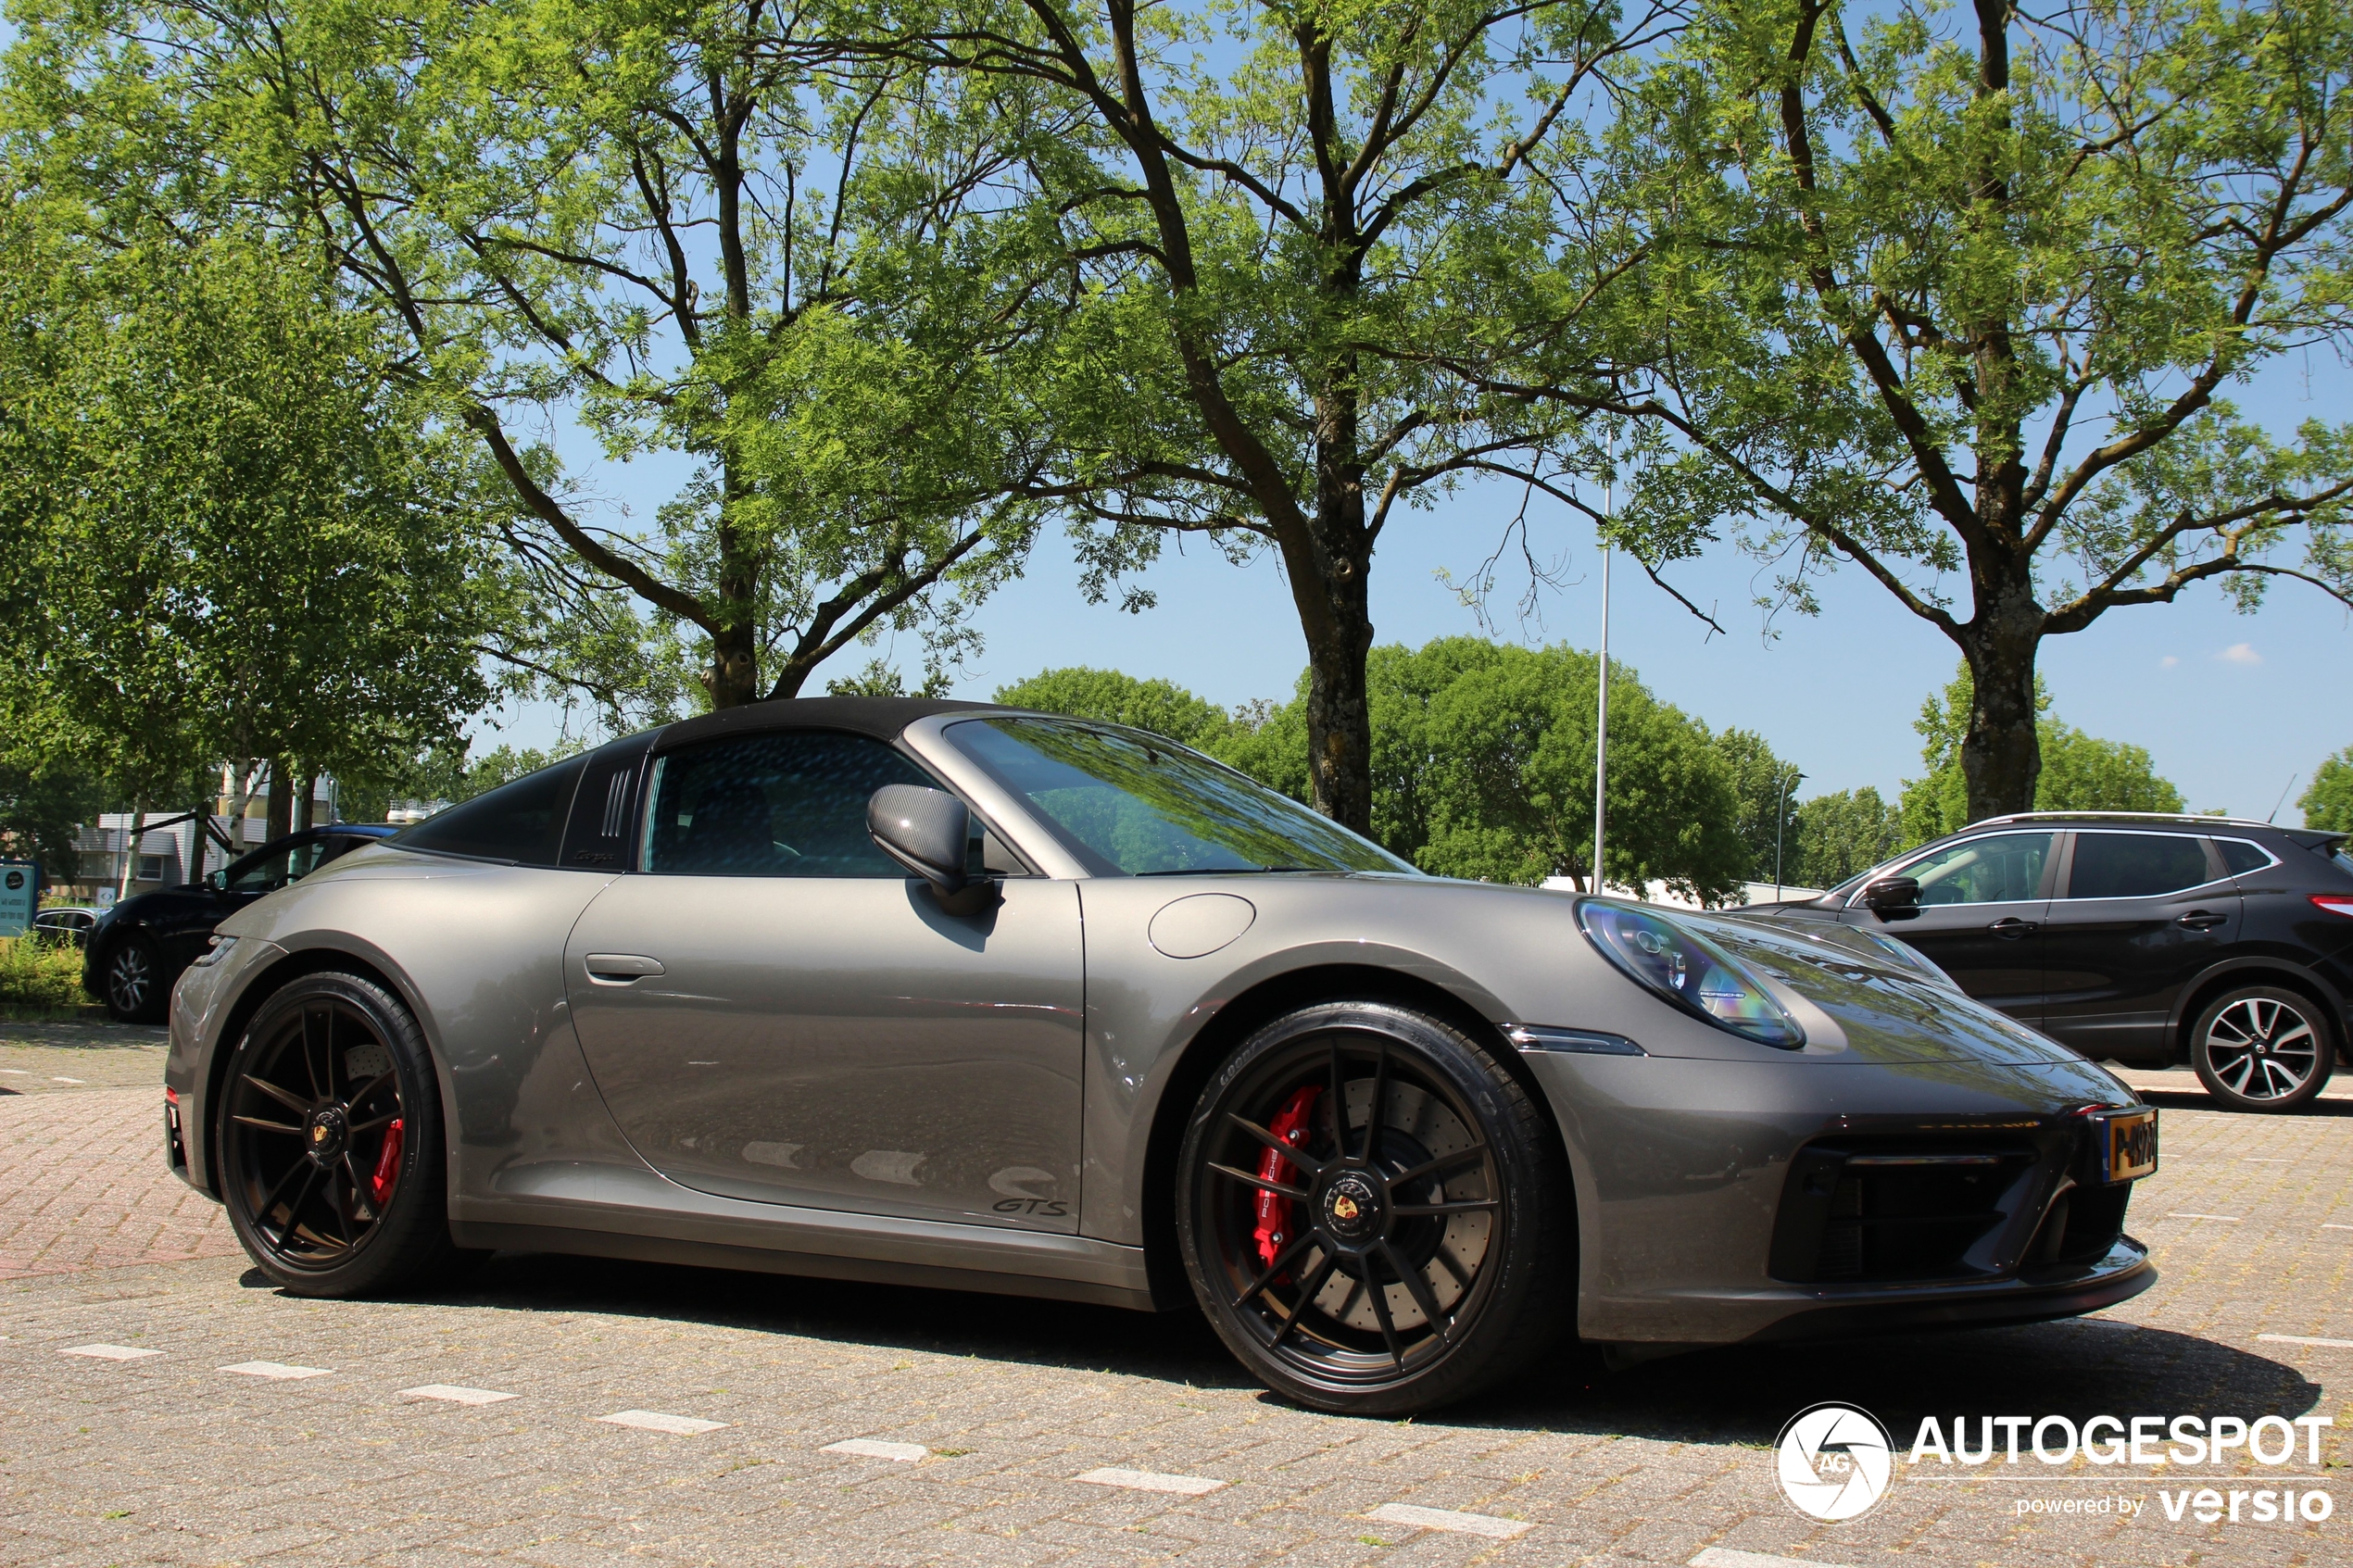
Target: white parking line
x=2264, y=1160
x=2226, y=1219
x=55, y=1079
x=2299, y=1340
x=1725, y=1557
x=110, y=1352
x=1151, y=1481
x=873, y=1447
x=2326, y=1226
x=455, y=1395
x=654, y=1421
x=277, y=1369
x=1447, y=1519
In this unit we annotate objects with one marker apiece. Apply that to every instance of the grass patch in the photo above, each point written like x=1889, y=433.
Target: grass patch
x=37, y=975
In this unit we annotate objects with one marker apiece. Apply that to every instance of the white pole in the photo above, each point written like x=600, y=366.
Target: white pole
x=1601, y=721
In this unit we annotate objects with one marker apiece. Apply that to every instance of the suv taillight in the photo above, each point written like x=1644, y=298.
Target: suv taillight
x=2335, y=903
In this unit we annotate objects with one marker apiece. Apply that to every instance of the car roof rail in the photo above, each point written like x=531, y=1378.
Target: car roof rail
x=2186, y=818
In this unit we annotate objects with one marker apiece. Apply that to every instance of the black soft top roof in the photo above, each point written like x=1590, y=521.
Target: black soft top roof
x=881, y=717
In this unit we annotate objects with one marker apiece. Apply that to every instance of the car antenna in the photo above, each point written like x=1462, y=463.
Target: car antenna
x=2274, y=816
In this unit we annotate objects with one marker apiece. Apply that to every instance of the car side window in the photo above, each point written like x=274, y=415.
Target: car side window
x=2137, y=865
x=2241, y=857
x=268, y=872
x=772, y=805
x=1999, y=869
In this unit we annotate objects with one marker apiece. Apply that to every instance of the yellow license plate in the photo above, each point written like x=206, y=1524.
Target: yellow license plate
x=2132, y=1145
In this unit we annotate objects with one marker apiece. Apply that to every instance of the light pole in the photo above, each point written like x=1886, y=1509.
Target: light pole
x=1780, y=820
x=1601, y=720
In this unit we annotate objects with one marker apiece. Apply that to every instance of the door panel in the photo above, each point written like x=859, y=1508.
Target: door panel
x=1981, y=907
x=2143, y=915
x=775, y=1011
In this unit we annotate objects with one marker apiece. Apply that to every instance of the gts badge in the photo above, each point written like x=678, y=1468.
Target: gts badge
x=1015, y=1187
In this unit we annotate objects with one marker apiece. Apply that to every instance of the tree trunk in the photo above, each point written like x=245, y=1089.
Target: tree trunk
x=2001, y=757
x=131, y=850
x=1340, y=719
x=281, y=803
x=306, y=785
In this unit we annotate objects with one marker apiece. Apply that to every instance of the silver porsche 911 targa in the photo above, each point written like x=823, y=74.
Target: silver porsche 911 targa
x=949, y=994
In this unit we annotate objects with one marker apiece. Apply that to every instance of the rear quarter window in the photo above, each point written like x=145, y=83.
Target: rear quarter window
x=523, y=821
x=2137, y=865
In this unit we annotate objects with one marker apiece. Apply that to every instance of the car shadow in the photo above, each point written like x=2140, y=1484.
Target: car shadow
x=1734, y=1394
x=2198, y=1099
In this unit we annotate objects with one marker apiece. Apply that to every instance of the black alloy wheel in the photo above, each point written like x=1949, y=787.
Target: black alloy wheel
x=136, y=991
x=2262, y=1048
x=1374, y=1213
x=330, y=1139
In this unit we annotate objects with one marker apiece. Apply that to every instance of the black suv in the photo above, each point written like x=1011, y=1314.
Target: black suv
x=2137, y=939
x=138, y=947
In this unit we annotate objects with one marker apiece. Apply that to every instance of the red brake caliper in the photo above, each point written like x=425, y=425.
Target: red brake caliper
x=1274, y=1232
x=387, y=1165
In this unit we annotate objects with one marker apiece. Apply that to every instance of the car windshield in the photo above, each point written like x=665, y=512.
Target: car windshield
x=1128, y=802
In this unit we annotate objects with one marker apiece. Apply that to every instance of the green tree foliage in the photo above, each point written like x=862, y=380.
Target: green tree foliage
x=1309, y=229
x=2080, y=772
x=1162, y=706
x=1483, y=767
x=42, y=806
x=227, y=529
x=787, y=280
x=2327, y=804
x=1767, y=789
x=1841, y=833
x=1956, y=294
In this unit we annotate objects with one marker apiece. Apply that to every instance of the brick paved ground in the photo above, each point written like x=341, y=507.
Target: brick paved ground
x=166, y=1458
x=63, y=1057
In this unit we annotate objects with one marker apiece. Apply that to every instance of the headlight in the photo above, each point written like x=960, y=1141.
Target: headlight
x=214, y=954
x=1689, y=971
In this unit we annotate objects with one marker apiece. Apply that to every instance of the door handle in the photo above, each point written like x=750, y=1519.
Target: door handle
x=620, y=969
x=2013, y=927
x=2202, y=920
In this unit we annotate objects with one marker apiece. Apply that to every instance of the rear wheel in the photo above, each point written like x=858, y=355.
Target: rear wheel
x=1374, y=1215
x=136, y=989
x=2262, y=1048
x=331, y=1142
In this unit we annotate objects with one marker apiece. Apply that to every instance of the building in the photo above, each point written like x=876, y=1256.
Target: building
x=168, y=845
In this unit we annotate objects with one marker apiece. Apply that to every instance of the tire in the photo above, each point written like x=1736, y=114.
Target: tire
x=2263, y=1047
x=331, y=1154
x=1332, y=1291
x=137, y=989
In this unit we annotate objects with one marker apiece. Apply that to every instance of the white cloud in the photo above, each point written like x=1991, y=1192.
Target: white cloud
x=2168, y=662
x=2240, y=653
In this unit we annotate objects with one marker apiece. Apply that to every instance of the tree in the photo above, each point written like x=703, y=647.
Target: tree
x=227, y=532
x=1841, y=833
x=2327, y=804
x=1768, y=813
x=680, y=229
x=1162, y=706
x=1956, y=295
x=43, y=806
x=1483, y=767
x=1292, y=215
x=2080, y=772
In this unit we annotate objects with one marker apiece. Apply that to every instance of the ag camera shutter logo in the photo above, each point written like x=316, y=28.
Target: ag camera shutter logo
x=1833, y=1461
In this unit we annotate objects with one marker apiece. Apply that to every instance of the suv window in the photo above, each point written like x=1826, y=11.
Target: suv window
x=773, y=805
x=273, y=868
x=2137, y=865
x=2241, y=856
x=1998, y=868
x=520, y=821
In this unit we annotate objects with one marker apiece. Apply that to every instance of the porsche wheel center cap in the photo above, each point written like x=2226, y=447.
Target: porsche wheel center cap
x=325, y=1135
x=1351, y=1207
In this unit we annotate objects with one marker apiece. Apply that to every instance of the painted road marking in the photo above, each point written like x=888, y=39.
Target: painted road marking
x=654, y=1421
x=2299, y=1340
x=1447, y=1519
x=2265, y=1160
x=2330, y=1227
x=455, y=1395
x=53, y=1079
x=110, y=1352
x=1151, y=1481
x=871, y=1447
x=2226, y=1219
x=277, y=1369
x=1725, y=1557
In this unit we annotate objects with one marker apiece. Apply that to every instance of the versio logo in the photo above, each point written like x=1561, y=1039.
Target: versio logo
x=1833, y=1461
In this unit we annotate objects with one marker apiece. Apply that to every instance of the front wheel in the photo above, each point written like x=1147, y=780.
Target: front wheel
x=2262, y=1048
x=138, y=988
x=330, y=1145
x=1375, y=1215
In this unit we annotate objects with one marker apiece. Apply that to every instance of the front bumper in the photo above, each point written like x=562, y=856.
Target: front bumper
x=1702, y=1219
